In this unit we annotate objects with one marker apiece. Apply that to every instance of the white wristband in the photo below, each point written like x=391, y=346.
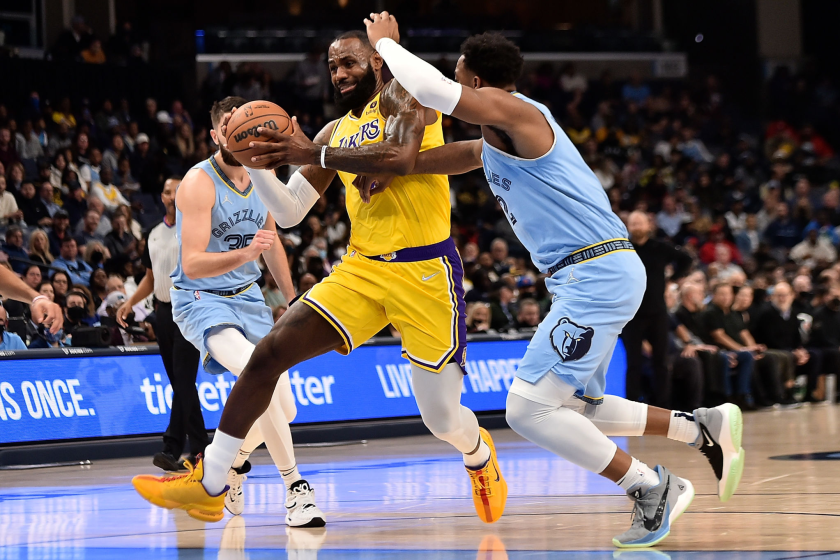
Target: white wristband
x=323, y=156
x=36, y=298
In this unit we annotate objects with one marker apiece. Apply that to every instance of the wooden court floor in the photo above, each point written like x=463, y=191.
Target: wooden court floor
x=409, y=498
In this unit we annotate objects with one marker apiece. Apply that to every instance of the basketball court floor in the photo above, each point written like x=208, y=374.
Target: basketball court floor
x=408, y=498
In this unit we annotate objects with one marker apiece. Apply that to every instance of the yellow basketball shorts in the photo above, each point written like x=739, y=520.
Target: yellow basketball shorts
x=419, y=290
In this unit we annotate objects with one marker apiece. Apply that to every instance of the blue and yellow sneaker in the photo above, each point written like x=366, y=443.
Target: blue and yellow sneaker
x=656, y=510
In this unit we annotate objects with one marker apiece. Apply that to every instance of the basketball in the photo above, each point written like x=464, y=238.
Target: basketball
x=242, y=129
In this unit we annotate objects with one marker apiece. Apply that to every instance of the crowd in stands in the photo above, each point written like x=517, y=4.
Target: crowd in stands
x=754, y=202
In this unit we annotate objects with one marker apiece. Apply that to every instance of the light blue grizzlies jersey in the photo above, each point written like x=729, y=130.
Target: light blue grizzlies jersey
x=236, y=217
x=555, y=203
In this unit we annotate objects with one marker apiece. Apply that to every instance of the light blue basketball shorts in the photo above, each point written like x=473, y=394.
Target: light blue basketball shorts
x=592, y=303
x=196, y=313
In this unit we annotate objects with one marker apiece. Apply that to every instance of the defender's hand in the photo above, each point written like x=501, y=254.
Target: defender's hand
x=262, y=241
x=369, y=185
x=380, y=26
x=47, y=313
x=286, y=149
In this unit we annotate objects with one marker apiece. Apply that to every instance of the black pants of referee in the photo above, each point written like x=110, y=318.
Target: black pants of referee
x=653, y=327
x=180, y=358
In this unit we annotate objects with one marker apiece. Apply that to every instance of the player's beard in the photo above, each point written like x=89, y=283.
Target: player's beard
x=359, y=96
x=227, y=157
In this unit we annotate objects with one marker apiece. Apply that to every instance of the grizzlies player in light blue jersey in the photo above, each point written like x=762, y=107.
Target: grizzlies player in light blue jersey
x=223, y=227
x=560, y=213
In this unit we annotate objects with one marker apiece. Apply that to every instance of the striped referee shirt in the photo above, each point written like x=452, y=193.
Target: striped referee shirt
x=161, y=255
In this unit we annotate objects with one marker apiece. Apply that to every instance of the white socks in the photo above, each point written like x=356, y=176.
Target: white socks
x=639, y=474
x=290, y=476
x=480, y=457
x=683, y=427
x=218, y=457
x=241, y=457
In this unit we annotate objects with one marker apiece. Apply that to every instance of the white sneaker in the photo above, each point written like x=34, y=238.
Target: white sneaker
x=235, y=499
x=301, y=508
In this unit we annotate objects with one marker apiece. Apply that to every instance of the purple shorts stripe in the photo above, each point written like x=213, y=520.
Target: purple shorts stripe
x=414, y=254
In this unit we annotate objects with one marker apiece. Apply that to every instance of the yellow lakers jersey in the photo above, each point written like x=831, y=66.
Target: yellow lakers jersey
x=412, y=212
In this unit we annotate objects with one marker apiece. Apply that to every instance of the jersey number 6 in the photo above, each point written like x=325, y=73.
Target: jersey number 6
x=238, y=241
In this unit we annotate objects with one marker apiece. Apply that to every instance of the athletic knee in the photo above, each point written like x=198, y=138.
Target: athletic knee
x=442, y=427
x=518, y=413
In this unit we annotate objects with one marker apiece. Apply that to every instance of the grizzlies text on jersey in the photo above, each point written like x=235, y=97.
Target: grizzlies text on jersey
x=236, y=217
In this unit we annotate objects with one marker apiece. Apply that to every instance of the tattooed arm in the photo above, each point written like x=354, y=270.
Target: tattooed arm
x=395, y=155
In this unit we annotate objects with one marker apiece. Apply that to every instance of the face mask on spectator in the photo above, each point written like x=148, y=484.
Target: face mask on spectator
x=75, y=314
x=834, y=303
x=2, y=329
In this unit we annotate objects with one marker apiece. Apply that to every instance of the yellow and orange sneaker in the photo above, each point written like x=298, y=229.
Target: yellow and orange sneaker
x=183, y=491
x=489, y=486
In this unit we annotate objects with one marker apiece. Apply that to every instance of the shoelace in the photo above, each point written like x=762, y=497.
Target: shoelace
x=181, y=477
x=480, y=478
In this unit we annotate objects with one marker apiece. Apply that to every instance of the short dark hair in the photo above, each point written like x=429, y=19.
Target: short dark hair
x=219, y=108
x=494, y=58
x=356, y=34
x=67, y=240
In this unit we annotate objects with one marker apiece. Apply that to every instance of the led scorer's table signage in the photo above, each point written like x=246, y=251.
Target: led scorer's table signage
x=82, y=393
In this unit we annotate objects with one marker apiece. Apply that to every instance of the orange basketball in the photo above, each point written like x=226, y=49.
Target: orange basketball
x=242, y=129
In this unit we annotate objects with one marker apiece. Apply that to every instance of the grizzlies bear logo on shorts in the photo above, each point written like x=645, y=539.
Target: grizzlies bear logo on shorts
x=570, y=340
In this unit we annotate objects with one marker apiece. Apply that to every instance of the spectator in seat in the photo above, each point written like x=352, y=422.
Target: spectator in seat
x=8, y=154
x=783, y=232
x=46, y=289
x=78, y=312
x=59, y=231
x=815, y=250
x=670, y=219
x=107, y=193
x=271, y=292
x=822, y=224
x=98, y=286
x=501, y=309
x=34, y=211
x=708, y=251
x=120, y=241
x=61, y=284
x=143, y=165
x=112, y=156
x=75, y=204
x=60, y=140
x=478, y=318
x=723, y=266
x=686, y=355
x=94, y=53
x=39, y=249
x=69, y=261
x=32, y=276
x=13, y=246
x=9, y=211
x=635, y=90
x=306, y=283
x=528, y=316
x=47, y=196
x=8, y=340
x=27, y=144
x=90, y=172
x=750, y=237
x=728, y=331
x=777, y=327
x=499, y=252
x=104, y=222
x=73, y=41
x=90, y=229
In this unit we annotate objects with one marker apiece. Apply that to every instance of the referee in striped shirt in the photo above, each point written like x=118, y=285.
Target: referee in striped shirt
x=180, y=358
